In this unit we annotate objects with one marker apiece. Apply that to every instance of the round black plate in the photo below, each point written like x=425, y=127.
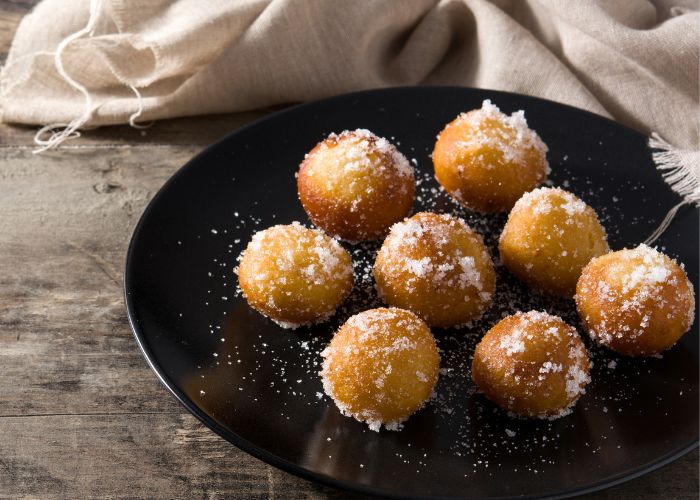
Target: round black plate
x=257, y=385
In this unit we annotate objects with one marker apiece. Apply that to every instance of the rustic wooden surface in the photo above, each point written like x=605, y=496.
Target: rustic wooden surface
x=81, y=414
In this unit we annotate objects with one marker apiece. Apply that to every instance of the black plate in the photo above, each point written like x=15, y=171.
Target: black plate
x=257, y=385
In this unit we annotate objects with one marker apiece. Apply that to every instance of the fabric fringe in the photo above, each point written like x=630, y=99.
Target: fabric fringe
x=63, y=131
x=60, y=132
x=139, y=110
x=681, y=171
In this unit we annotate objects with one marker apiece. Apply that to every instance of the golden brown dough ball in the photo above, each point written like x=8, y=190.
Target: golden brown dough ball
x=486, y=160
x=636, y=302
x=437, y=267
x=295, y=275
x=532, y=364
x=381, y=367
x=550, y=235
x=355, y=185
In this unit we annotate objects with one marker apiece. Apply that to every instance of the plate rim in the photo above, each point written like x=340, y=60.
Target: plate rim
x=291, y=467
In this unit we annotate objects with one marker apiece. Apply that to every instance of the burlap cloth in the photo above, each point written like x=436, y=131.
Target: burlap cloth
x=633, y=60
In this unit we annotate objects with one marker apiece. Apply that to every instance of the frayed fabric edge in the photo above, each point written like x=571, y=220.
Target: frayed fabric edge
x=680, y=169
x=61, y=132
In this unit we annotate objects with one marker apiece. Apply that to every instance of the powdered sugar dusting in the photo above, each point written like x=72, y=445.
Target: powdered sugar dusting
x=652, y=270
x=274, y=258
x=261, y=366
x=366, y=345
x=513, y=138
x=513, y=343
x=365, y=154
x=545, y=341
x=633, y=286
x=542, y=201
x=421, y=253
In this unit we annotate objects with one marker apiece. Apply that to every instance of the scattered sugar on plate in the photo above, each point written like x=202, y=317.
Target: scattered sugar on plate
x=482, y=435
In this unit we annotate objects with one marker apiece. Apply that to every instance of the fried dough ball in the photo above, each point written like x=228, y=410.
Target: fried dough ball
x=532, y=364
x=437, y=267
x=381, y=367
x=295, y=275
x=355, y=185
x=637, y=302
x=486, y=160
x=550, y=235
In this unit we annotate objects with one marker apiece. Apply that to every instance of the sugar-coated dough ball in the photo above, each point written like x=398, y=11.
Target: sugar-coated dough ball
x=437, y=267
x=355, y=185
x=381, y=367
x=550, y=235
x=532, y=364
x=295, y=275
x=486, y=160
x=636, y=302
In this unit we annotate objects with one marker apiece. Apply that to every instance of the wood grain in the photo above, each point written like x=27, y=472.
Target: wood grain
x=133, y=456
x=66, y=344
x=173, y=456
x=189, y=131
x=81, y=414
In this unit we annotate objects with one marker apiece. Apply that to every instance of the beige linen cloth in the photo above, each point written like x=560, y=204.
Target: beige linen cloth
x=633, y=60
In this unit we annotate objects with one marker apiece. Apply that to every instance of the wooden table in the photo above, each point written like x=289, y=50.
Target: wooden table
x=81, y=414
